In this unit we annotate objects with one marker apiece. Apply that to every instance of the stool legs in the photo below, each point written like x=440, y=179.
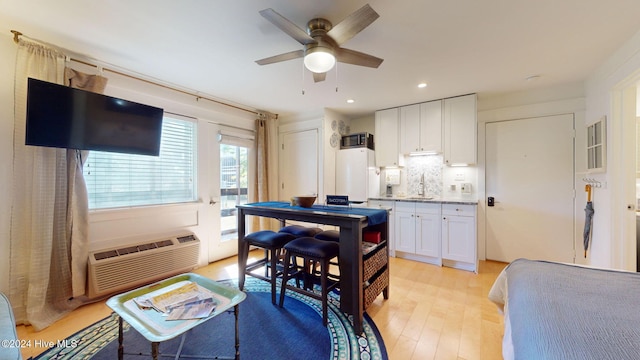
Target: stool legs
x=274, y=274
x=307, y=272
x=243, y=255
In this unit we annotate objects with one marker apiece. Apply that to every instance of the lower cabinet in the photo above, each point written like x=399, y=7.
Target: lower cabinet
x=418, y=232
x=435, y=233
x=459, y=236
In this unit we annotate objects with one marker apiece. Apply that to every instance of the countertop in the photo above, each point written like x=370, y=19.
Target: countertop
x=437, y=199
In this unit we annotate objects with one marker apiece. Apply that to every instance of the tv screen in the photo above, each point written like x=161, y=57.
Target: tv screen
x=64, y=117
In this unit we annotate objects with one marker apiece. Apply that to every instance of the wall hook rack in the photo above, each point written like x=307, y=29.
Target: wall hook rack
x=595, y=183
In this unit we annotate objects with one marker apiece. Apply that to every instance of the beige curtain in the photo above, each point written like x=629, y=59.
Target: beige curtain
x=78, y=202
x=38, y=280
x=266, y=184
x=40, y=265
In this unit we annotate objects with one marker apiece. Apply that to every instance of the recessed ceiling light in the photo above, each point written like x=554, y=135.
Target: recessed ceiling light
x=350, y=101
x=422, y=85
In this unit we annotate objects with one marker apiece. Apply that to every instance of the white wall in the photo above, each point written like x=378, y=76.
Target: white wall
x=114, y=228
x=364, y=124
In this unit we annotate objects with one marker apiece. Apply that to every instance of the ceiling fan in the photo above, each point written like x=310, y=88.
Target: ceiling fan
x=322, y=41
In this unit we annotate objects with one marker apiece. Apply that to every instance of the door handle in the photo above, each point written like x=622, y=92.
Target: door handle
x=491, y=201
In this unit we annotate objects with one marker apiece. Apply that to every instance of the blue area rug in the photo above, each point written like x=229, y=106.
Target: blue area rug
x=266, y=332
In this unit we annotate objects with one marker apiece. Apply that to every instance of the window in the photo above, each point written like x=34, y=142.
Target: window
x=123, y=180
x=596, y=146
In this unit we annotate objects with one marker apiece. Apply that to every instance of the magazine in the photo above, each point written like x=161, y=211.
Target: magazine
x=189, y=301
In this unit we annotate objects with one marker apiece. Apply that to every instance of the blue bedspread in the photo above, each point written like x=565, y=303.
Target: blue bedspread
x=374, y=216
x=560, y=311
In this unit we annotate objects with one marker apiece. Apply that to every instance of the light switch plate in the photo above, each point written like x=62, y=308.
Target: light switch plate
x=465, y=188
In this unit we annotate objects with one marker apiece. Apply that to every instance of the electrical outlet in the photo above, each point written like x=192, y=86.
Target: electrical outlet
x=459, y=176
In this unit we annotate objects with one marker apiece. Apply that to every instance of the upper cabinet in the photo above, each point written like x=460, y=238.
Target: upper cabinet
x=386, y=138
x=460, y=130
x=421, y=128
x=447, y=127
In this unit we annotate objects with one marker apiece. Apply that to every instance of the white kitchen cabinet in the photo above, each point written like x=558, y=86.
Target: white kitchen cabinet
x=431, y=126
x=459, y=236
x=421, y=127
x=428, y=230
x=389, y=205
x=409, y=128
x=386, y=138
x=460, y=130
x=418, y=231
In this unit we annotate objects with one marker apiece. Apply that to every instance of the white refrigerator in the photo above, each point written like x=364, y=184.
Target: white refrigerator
x=356, y=174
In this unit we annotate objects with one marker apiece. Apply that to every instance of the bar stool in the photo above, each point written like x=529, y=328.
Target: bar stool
x=311, y=250
x=300, y=231
x=272, y=242
x=328, y=235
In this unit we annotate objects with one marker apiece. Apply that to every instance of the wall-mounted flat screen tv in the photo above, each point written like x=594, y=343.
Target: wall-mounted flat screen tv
x=64, y=117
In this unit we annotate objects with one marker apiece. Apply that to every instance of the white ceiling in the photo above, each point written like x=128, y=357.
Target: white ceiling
x=456, y=46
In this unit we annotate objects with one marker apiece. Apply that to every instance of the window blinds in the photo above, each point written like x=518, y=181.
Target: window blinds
x=116, y=180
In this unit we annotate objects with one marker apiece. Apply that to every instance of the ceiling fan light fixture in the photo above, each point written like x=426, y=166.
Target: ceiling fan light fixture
x=319, y=59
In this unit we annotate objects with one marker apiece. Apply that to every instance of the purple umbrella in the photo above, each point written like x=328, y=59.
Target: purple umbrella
x=588, y=213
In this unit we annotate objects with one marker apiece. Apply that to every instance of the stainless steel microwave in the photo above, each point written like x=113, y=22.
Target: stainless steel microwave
x=357, y=140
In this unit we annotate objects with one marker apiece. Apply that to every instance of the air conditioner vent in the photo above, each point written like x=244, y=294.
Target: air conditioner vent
x=105, y=254
x=127, y=250
x=184, y=239
x=123, y=268
x=164, y=243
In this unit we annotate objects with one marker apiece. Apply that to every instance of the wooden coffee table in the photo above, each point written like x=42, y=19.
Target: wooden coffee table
x=153, y=325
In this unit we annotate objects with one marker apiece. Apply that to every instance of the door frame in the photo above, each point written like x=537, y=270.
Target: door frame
x=621, y=130
x=210, y=179
x=301, y=126
x=574, y=106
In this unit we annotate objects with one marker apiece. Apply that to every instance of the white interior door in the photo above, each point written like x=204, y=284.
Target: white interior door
x=530, y=175
x=299, y=164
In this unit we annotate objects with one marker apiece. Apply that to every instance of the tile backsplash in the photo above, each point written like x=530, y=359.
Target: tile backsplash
x=431, y=167
x=439, y=180
x=415, y=166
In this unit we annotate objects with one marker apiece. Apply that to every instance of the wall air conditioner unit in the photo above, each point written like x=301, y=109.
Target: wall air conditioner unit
x=118, y=269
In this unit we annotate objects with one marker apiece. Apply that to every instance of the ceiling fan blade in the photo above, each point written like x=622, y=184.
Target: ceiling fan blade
x=282, y=57
x=353, y=24
x=357, y=58
x=287, y=26
x=317, y=77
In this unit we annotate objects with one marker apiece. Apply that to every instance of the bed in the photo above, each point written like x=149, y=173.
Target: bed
x=561, y=311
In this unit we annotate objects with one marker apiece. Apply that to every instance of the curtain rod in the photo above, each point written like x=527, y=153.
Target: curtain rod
x=16, y=39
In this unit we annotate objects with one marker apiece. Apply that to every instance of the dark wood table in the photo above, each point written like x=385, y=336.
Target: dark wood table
x=351, y=222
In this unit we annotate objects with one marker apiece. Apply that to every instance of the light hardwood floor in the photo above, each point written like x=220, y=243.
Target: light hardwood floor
x=432, y=312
